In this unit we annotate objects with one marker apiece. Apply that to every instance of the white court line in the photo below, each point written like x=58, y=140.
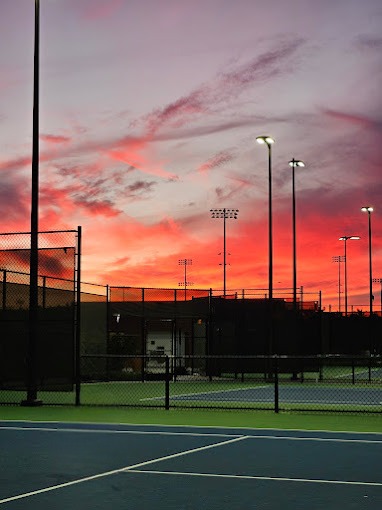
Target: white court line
x=197, y=434
x=191, y=426
x=248, y=477
x=222, y=390
x=110, y=431
x=116, y=471
x=359, y=371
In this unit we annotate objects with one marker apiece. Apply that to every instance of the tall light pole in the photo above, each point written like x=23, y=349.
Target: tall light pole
x=339, y=259
x=185, y=283
x=268, y=141
x=31, y=399
x=225, y=214
x=345, y=239
x=294, y=163
x=369, y=210
x=379, y=280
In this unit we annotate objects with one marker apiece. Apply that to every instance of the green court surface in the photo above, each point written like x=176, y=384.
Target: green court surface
x=216, y=418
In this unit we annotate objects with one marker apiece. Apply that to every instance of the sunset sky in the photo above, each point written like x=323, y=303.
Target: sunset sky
x=149, y=113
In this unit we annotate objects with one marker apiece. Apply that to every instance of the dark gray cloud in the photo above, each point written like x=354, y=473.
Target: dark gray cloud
x=140, y=188
x=368, y=42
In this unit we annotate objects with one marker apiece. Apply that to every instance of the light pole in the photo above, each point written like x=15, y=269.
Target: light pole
x=185, y=283
x=294, y=163
x=345, y=239
x=339, y=259
x=379, y=280
x=31, y=399
x=369, y=210
x=225, y=214
x=268, y=141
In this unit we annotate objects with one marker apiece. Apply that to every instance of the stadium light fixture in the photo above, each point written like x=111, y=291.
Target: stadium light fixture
x=185, y=283
x=225, y=214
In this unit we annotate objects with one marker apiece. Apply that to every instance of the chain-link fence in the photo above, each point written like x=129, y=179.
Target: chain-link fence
x=57, y=311
x=184, y=348
x=277, y=383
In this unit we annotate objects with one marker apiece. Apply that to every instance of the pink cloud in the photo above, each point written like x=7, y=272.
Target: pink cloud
x=54, y=139
x=99, y=9
x=354, y=119
x=216, y=161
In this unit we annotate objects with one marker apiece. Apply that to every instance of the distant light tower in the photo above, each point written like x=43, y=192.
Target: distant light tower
x=185, y=283
x=369, y=210
x=225, y=214
x=345, y=239
x=268, y=141
x=294, y=163
x=339, y=259
x=379, y=280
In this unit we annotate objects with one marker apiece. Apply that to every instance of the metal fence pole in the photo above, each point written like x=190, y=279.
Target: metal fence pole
x=276, y=380
x=4, y=303
x=167, y=384
x=78, y=319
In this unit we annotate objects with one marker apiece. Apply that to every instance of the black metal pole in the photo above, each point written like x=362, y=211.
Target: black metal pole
x=370, y=270
x=276, y=384
x=294, y=238
x=346, y=280
x=185, y=279
x=31, y=399
x=270, y=235
x=167, y=384
x=224, y=252
x=270, y=261
x=78, y=318
x=4, y=286
x=339, y=284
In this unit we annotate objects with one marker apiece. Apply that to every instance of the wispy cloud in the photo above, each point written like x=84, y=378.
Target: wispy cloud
x=354, y=119
x=216, y=161
x=225, y=87
x=368, y=42
x=54, y=139
x=139, y=188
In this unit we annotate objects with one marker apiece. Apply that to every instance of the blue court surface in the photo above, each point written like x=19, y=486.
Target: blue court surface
x=290, y=394
x=96, y=466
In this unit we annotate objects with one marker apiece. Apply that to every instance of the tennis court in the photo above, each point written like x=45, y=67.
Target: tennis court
x=293, y=394
x=97, y=466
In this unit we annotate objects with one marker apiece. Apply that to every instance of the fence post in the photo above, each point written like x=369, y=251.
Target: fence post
x=78, y=317
x=167, y=384
x=276, y=380
x=4, y=302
